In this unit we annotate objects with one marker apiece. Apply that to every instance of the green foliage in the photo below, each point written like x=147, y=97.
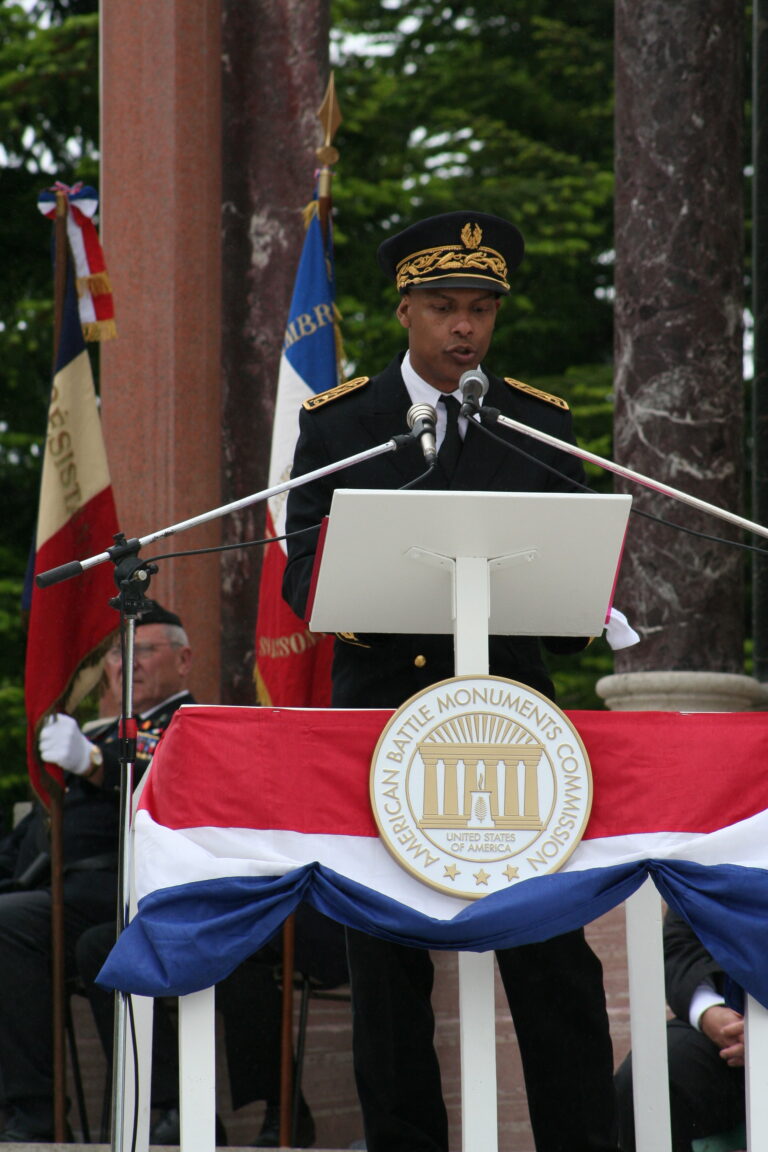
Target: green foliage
x=575, y=677
x=49, y=93
x=450, y=105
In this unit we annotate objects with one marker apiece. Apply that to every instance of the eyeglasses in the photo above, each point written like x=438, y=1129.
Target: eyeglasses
x=140, y=651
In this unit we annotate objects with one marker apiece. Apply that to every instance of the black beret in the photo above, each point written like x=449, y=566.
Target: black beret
x=455, y=250
x=154, y=613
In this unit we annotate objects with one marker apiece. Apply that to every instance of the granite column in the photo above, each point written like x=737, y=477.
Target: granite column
x=678, y=335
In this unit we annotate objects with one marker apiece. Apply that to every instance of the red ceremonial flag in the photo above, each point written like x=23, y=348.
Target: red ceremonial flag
x=293, y=664
x=69, y=622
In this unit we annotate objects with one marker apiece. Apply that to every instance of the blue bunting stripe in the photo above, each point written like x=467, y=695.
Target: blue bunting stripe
x=191, y=936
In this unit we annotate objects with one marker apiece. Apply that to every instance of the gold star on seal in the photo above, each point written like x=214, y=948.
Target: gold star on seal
x=452, y=871
x=510, y=872
x=482, y=877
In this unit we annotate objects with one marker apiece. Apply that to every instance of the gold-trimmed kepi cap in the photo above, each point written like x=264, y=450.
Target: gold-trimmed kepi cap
x=455, y=250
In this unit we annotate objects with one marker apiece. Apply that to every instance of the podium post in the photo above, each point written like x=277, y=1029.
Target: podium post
x=477, y=1014
x=470, y=564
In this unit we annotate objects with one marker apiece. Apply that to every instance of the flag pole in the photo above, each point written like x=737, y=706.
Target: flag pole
x=329, y=115
x=55, y=792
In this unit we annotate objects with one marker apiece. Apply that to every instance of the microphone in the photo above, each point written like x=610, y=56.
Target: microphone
x=473, y=385
x=422, y=420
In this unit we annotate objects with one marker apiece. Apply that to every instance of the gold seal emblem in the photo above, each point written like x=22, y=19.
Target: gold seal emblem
x=471, y=235
x=478, y=783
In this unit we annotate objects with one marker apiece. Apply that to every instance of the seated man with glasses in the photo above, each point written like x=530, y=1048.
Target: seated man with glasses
x=90, y=759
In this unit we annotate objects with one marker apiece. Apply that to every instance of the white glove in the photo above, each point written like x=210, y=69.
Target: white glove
x=619, y=632
x=61, y=742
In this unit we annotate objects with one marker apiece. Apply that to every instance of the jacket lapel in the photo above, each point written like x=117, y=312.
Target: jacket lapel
x=385, y=416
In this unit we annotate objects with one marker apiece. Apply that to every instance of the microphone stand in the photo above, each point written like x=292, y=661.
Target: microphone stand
x=486, y=415
x=132, y=575
x=125, y=547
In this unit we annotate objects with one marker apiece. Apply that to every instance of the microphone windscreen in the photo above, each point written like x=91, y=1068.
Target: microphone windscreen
x=473, y=382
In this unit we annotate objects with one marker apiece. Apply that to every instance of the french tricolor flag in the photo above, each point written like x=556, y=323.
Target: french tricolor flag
x=293, y=664
x=246, y=812
x=69, y=622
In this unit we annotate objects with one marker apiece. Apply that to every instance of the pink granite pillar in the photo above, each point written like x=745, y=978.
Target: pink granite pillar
x=160, y=213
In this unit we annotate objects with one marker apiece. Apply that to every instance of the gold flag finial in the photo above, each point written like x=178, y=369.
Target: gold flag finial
x=329, y=115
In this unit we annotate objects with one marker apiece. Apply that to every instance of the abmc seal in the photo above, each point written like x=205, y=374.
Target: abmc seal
x=480, y=782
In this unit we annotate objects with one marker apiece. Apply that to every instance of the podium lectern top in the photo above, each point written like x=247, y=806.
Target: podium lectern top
x=387, y=562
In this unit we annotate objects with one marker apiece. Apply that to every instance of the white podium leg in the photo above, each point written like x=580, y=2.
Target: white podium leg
x=477, y=1028
x=197, y=1071
x=131, y=1098
x=650, y=1077
x=477, y=1009
x=756, y=1075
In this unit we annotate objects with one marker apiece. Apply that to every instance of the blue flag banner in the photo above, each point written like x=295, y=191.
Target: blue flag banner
x=293, y=664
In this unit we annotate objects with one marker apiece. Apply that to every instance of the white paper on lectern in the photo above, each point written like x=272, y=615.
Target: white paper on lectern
x=553, y=559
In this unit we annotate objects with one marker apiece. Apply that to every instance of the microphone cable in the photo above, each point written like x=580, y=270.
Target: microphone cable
x=634, y=511
x=271, y=539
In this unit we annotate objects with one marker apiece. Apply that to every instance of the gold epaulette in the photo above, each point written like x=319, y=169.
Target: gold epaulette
x=556, y=400
x=334, y=393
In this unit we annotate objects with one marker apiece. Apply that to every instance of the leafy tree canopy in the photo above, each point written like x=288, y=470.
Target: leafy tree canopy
x=454, y=104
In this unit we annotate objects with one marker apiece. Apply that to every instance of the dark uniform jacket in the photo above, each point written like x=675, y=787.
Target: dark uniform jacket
x=384, y=670
x=687, y=964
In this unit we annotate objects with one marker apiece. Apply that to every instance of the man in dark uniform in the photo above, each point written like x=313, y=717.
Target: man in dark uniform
x=451, y=271
x=90, y=841
x=705, y=1046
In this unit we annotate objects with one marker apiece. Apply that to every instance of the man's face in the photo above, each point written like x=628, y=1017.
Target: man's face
x=449, y=331
x=160, y=667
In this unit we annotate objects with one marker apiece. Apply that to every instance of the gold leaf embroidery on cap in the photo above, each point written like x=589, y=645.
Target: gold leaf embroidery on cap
x=471, y=235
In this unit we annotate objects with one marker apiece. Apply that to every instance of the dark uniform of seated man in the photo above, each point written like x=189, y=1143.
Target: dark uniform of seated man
x=705, y=1046
x=90, y=842
x=451, y=272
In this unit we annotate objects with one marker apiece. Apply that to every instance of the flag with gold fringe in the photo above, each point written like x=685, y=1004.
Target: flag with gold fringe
x=71, y=622
x=293, y=664
x=94, y=291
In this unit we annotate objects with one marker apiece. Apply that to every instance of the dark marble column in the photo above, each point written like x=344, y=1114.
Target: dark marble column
x=275, y=70
x=678, y=337
x=760, y=314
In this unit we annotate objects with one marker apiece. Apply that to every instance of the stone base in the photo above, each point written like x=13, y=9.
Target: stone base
x=682, y=692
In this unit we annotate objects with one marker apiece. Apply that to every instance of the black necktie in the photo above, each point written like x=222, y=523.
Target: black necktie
x=450, y=449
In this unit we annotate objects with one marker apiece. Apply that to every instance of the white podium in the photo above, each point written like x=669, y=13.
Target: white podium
x=471, y=564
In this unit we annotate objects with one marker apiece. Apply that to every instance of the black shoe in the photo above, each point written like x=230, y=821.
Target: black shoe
x=269, y=1137
x=167, y=1129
